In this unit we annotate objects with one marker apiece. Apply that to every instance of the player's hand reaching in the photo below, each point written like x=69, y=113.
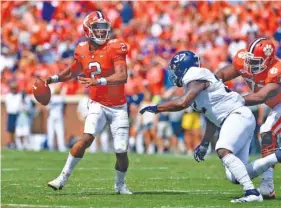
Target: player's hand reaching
x=200, y=152
x=87, y=82
x=151, y=109
x=52, y=79
x=48, y=81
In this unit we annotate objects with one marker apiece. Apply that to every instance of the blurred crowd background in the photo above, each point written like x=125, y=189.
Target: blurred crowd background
x=38, y=40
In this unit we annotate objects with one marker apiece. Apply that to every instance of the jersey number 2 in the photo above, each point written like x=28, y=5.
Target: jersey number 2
x=97, y=69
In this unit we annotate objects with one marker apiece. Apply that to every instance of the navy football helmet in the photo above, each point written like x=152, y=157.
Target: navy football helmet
x=180, y=64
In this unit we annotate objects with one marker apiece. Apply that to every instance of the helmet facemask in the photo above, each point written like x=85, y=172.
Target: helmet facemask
x=99, y=32
x=254, y=65
x=173, y=77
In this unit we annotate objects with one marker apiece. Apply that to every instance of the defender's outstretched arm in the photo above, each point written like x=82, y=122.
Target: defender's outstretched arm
x=193, y=89
x=268, y=91
x=227, y=73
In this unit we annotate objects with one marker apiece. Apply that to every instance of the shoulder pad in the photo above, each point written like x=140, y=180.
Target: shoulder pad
x=238, y=60
x=118, y=47
x=197, y=73
x=80, y=49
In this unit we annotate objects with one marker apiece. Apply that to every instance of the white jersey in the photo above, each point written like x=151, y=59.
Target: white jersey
x=217, y=101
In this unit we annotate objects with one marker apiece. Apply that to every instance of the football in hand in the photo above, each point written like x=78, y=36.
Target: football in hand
x=41, y=92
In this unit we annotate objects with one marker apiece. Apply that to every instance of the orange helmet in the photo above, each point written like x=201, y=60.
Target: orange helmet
x=260, y=55
x=97, y=27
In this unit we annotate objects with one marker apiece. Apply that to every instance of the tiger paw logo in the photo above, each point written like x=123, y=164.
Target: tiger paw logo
x=242, y=55
x=268, y=50
x=273, y=70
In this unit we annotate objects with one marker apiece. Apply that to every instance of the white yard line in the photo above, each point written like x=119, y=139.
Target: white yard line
x=180, y=178
x=61, y=206
x=56, y=206
x=191, y=206
x=10, y=169
x=34, y=205
x=50, y=169
x=198, y=191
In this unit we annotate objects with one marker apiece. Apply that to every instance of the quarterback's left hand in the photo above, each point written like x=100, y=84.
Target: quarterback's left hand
x=87, y=82
x=200, y=152
x=151, y=109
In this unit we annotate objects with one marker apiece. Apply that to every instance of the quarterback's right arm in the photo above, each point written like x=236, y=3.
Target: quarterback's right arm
x=75, y=68
x=73, y=71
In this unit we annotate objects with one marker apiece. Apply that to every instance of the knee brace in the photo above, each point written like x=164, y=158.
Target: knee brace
x=121, y=139
x=268, y=143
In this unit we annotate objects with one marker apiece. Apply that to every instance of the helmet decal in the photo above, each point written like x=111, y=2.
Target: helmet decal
x=268, y=50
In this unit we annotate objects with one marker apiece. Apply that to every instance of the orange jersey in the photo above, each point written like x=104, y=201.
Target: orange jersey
x=100, y=63
x=257, y=81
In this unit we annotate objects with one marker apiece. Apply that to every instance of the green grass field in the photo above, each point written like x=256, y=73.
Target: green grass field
x=162, y=181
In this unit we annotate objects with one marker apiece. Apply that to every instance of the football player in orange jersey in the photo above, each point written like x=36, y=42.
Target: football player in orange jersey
x=261, y=69
x=103, y=62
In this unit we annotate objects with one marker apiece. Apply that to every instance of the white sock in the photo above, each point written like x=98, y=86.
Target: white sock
x=120, y=177
x=261, y=165
x=71, y=162
x=238, y=170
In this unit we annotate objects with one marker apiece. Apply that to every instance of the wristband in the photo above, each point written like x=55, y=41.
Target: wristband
x=102, y=81
x=55, y=78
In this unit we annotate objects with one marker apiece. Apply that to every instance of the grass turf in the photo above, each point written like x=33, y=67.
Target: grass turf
x=162, y=181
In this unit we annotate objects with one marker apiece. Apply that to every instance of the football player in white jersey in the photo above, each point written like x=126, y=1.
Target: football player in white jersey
x=223, y=109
